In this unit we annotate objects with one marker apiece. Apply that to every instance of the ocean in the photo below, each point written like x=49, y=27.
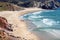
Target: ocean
x=45, y=23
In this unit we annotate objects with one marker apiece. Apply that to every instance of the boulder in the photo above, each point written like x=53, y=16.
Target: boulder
x=4, y=24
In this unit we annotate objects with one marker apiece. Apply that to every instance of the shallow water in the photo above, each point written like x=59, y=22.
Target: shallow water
x=44, y=23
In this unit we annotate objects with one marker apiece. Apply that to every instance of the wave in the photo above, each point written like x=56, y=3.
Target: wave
x=46, y=20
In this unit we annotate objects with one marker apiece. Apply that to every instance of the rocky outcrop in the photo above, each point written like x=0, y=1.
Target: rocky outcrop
x=45, y=4
x=6, y=36
x=49, y=4
x=4, y=25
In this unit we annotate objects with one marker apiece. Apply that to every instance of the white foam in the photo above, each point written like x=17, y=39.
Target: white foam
x=49, y=22
x=36, y=16
x=37, y=12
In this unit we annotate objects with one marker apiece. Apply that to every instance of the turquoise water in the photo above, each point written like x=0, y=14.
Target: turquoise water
x=46, y=20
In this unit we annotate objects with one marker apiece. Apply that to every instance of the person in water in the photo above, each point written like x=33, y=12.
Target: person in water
x=4, y=24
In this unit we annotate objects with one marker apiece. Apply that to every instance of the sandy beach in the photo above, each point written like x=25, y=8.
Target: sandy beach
x=19, y=26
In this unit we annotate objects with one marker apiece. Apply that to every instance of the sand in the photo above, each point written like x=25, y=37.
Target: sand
x=19, y=26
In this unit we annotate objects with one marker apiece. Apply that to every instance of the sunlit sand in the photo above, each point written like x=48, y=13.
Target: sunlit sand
x=19, y=26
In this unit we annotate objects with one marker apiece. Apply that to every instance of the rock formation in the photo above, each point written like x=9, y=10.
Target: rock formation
x=4, y=25
x=45, y=4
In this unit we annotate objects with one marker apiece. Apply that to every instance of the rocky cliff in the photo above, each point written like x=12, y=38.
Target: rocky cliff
x=48, y=4
x=45, y=4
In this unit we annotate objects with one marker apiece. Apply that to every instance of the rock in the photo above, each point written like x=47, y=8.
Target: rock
x=48, y=4
x=5, y=36
x=4, y=24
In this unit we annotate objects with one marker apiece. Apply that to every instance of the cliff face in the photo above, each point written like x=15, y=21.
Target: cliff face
x=45, y=4
x=4, y=25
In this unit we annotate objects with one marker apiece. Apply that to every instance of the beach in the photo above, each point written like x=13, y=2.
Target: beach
x=19, y=26
x=44, y=24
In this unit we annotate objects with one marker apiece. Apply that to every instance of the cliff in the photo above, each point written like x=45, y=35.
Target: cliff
x=45, y=4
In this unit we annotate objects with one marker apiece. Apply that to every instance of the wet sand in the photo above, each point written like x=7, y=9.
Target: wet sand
x=43, y=35
x=19, y=26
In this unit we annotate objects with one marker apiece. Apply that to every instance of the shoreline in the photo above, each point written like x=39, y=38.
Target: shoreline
x=19, y=26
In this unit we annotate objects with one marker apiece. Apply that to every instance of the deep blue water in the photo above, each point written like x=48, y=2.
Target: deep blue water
x=58, y=0
x=46, y=20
